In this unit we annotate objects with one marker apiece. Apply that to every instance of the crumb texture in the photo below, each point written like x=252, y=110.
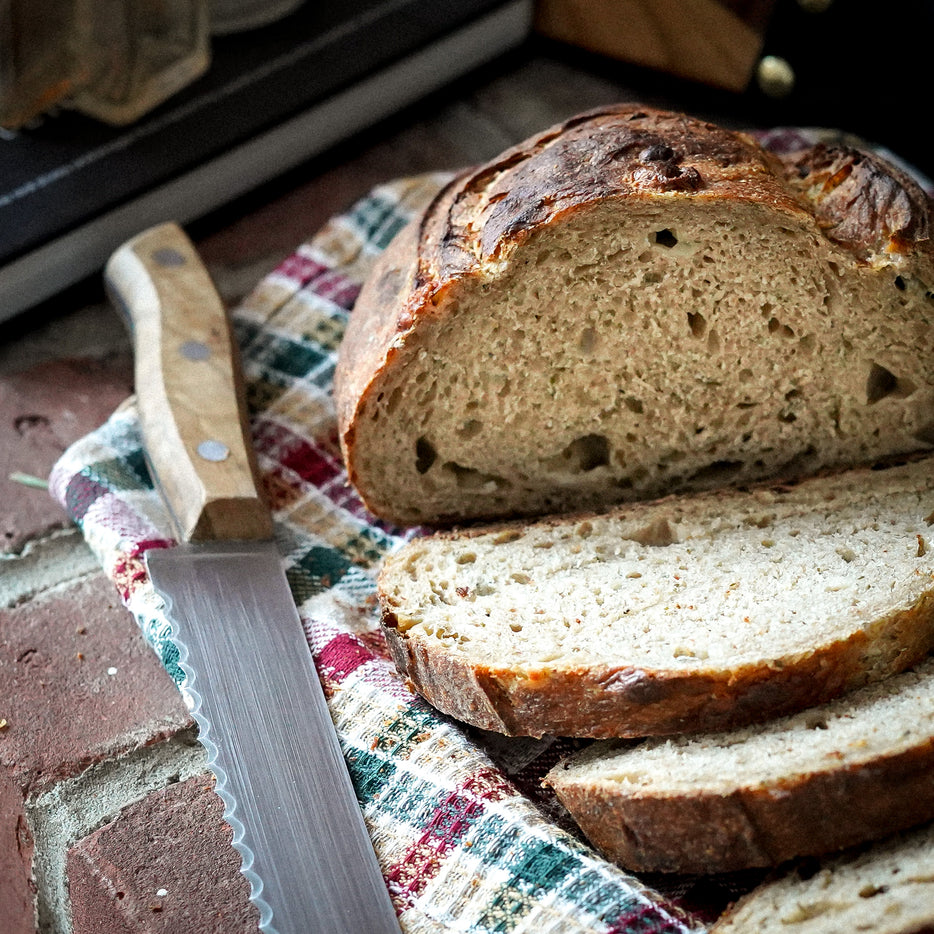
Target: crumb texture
x=887, y=889
x=681, y=312
x=696, y=604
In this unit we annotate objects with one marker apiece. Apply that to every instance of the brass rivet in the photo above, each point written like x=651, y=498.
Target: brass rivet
x=775, y=76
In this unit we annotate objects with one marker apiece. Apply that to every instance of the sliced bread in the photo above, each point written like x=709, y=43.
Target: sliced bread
x=633, y=303
x=884, y=889
x=689, y=613
x=855, y=769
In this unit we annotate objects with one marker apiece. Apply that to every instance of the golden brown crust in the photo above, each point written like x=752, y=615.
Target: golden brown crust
x=616, y=701
x=370, y=337
x=621, y=152
x=861, y=202
x=705, y=832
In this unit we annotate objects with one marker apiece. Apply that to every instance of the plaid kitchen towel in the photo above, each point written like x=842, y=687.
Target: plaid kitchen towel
x=466, y=838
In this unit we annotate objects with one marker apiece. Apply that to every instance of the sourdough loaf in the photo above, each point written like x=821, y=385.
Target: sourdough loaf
x=884, y=889
x=855, y=769
x=688, y=613
x=632, y=303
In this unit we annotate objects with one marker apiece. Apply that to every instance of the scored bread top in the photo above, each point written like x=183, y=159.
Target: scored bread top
x=559, y=326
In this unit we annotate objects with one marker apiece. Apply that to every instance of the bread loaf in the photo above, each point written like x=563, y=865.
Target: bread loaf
x=856, y=769
x=632, y=303
x=688, y=613
x=884, y=889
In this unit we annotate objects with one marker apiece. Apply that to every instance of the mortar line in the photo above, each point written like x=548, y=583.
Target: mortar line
x=44, y=566
x=73, y=808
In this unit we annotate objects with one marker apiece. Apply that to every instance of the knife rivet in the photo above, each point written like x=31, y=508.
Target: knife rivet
x=166, y=256
x=195, y=350
x=213, y=450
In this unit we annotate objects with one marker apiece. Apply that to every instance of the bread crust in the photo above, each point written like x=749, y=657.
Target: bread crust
x=608, y=702
x=758, y=826
x=627, y=153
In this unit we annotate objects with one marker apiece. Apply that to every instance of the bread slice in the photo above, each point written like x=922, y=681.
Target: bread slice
x=855, y=769
x=634, y=303
x=689, y=613
x=885, y=889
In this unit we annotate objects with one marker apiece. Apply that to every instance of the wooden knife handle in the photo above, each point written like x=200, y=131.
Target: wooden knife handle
x=189, y=388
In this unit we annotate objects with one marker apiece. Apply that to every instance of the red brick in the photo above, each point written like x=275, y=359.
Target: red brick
x=173, y=842
x=79, y=685
x=17, y=892
x=42, y=411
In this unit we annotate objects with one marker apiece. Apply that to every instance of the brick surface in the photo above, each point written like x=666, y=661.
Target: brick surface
x=78, y=685
x=42, y=411
x=164, y=866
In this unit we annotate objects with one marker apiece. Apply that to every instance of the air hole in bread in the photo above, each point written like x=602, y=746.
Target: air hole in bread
x=470, y=428
x=697, y=323
x=869, y=891
x=900, y=284
x=657, y=534
x=586, y=453
x=664, y=238
x=425, y=455
x=719, y=471
x=471, y=479
x=806, y=911
x=633, y=404
x=882, y=382
x=776, y=327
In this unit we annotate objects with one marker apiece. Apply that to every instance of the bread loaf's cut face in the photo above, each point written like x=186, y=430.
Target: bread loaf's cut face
x=885, y=889
x=643, y=337
x=690, y=613
x=855, y=769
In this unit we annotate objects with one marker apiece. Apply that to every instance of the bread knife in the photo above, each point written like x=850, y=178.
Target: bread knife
x=257, y=699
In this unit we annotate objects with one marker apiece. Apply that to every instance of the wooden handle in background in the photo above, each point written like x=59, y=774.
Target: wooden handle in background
x=189, y=388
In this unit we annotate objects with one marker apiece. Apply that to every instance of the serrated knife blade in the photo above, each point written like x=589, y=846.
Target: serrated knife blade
x=257, y=699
